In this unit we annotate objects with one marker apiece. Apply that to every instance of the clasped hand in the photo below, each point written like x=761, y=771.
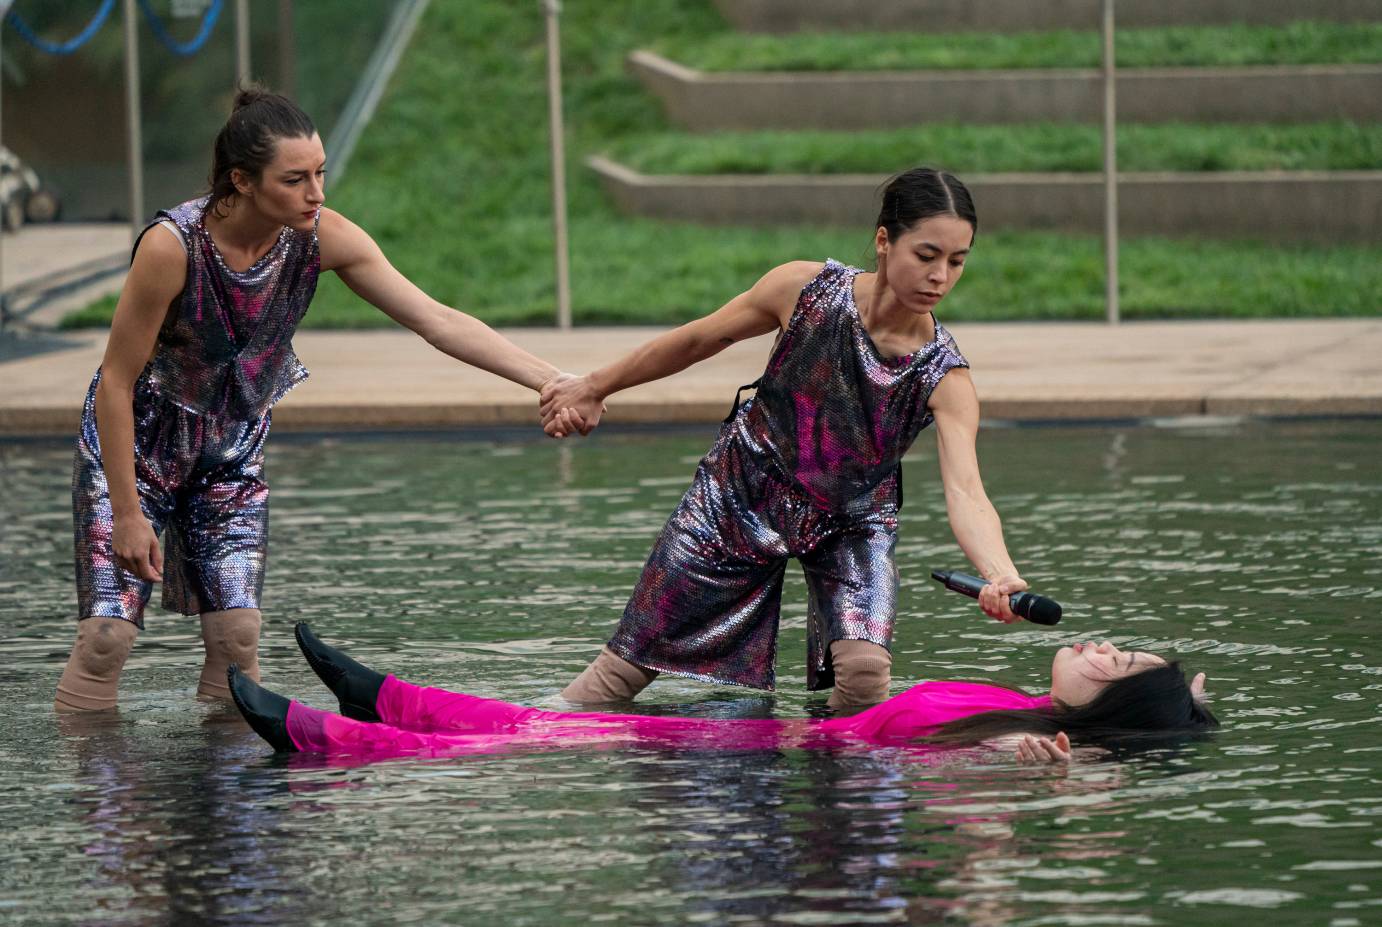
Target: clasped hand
x=569, y=405
x=993, y=598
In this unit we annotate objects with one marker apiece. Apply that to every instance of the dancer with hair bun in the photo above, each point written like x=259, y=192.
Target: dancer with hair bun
x=174, y=424
x=810, y=466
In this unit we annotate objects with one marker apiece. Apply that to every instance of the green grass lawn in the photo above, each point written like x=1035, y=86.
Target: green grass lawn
x=985, y=148
x=451, y=178
x=1199, y=46
x=1024, y=276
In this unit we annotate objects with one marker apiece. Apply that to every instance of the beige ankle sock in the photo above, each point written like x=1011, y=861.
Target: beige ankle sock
x=610, y=678
x=231, y=636
x=91, y=678
x=863, y=672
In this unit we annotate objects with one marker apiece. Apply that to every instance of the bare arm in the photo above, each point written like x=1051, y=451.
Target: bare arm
x=359, y=262
x=972, y=516
x=766, y=306
x=155, y=279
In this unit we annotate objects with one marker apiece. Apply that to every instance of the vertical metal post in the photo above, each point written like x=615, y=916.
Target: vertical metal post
x=134, y=121
x=242, y=42
x=553, y=10
x=287, y=51
x=1110, y=173
x=4, y=310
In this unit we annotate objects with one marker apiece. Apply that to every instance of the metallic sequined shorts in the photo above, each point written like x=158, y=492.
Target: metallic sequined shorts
x=198, y=476
x=707, y=604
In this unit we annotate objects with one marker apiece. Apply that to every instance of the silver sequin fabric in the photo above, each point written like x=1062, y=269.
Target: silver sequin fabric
x=201, y=418
x=226, y=348
x=808, y=468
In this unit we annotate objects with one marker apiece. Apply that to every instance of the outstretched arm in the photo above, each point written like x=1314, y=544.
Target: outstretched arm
x=353, y=255
x=972, y=516
x=768, y=305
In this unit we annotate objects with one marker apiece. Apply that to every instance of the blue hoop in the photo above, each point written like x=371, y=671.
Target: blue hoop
x=61, y=48
x=185, y=49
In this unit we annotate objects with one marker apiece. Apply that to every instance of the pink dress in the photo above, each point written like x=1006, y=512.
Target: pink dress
x=420, y=721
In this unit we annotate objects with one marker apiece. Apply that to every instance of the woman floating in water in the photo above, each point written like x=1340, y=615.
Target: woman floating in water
x=1098, y=693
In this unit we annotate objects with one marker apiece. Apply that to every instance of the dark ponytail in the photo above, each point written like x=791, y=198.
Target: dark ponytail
x=248, y=139
x=921, y=193
x=1156, y=701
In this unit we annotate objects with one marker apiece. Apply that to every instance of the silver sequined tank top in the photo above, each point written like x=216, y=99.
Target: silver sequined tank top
x=832, y=414
x=225, y=348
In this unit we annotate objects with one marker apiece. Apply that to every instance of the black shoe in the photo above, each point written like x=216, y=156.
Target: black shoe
x=267, y=712
x=355, y=686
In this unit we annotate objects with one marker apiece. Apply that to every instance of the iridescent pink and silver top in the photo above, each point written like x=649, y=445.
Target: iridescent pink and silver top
x=225, y=348
x=832, y=414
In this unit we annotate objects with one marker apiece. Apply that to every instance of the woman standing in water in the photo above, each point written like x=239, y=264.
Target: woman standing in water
x=808, y=468
x=174, y=424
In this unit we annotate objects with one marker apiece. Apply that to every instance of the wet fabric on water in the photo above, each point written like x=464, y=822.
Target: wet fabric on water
x=420, y=721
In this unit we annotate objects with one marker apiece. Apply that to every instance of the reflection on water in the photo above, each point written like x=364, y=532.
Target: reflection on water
x=1248, y=550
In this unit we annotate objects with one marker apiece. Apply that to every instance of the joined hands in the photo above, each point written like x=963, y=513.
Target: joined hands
x=569, y=405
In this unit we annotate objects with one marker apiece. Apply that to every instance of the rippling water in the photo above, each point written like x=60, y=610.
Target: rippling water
x=1248, y=550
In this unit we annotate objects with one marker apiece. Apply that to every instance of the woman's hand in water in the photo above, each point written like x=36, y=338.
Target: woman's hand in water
x=993, y=598
x=1034, y=749
x=569, y=404
x=136, y=547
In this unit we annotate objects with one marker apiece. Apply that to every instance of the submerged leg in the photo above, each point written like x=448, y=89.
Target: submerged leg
x=230, y=636
x=92, y=675
x=355, y=685
x=863, y=671
x=610, y=678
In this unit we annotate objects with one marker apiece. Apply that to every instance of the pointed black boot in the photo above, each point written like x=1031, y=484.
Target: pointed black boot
x=355, y=686
x=267, y=712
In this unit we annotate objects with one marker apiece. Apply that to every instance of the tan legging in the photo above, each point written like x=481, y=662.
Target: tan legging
x=91, y=678
x=863, y=671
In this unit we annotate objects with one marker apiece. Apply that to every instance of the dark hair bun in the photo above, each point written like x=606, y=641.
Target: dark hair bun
x=247, y=95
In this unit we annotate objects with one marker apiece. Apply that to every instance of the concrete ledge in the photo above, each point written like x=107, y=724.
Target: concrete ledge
x=1070, y=371
x=1022, y=15
x=704, y=101
x=1326, y=206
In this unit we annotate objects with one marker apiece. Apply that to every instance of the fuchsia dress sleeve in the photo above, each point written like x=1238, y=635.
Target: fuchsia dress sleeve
x=923, y=708
x=421, y=721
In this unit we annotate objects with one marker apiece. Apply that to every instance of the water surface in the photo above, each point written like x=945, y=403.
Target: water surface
x=1248, y=550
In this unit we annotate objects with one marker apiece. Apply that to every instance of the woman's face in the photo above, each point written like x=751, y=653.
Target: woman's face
x=925, y=261
x=1081, y=671
x=290, y=190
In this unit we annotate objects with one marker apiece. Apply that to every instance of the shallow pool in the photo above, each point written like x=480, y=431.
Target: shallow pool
x=1252, y=551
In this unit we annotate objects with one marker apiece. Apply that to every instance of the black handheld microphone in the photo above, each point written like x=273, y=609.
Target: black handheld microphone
x=1033, y=607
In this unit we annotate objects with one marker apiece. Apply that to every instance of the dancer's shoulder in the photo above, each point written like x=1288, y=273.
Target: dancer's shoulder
x=786, y=281
x=342, y=242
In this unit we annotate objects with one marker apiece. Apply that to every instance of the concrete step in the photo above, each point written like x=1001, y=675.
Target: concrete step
x=1023, y=15
x=1321, y=206
x=707, y=101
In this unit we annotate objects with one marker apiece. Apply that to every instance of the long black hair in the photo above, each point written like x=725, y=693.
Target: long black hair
x=250, y=136
x=1156, y=701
